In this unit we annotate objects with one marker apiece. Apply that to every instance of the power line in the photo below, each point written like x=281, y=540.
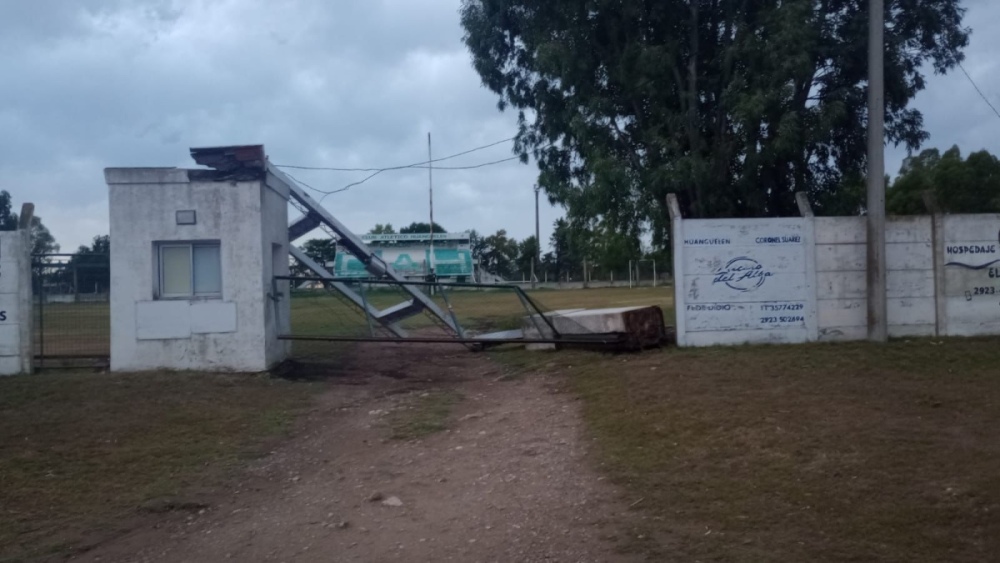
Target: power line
x=400, y=167
x=976, y=86
x=474, y=166
x=381, y=170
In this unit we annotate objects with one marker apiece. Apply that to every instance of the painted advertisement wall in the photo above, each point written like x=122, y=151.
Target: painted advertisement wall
x=970, y=249
x=802, y=279
x=744, y=281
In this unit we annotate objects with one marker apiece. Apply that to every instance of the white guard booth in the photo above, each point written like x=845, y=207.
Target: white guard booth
x=193, y=258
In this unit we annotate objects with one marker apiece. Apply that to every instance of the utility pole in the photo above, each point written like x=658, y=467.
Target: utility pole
x=430, y=191
x=538, y=242
x=877, y=322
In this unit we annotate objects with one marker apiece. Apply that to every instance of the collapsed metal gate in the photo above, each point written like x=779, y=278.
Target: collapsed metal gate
x=480, y=315
x=385, y=305
x=71, y=308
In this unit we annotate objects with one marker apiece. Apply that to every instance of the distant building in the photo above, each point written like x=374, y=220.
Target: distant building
x=410, y=255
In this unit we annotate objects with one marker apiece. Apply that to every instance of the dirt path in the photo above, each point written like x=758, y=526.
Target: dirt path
x=507, y=481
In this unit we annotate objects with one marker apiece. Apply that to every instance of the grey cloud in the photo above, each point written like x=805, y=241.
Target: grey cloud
x=347, y=83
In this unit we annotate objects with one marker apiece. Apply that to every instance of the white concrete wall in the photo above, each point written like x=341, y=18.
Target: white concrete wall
x=222, y=334
x=841, y=277
x=744, y=281
x=970, y=274
x=277, y=313
x=15, y=303
x=943, y=278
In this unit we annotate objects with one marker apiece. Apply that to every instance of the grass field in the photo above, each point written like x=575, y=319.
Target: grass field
x=80, y=452
x=73, y=329
x=825, y=452
x=315, y=313
x=84, y=329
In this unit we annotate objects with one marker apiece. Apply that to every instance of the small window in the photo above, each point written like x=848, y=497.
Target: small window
x=189, y=270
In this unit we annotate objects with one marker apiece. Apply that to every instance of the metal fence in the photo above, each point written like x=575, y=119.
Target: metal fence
x=72, y=310
x=475, y=315
x=638, y=273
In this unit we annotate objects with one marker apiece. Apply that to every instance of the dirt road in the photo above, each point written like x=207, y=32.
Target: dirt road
x=507, y=480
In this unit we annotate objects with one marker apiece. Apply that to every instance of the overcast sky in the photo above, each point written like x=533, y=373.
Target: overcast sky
x=349, y=83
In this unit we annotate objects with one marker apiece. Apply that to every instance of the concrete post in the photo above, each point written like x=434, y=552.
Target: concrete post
x=677, y=242
x=878, y=325
x=15, y=297
x=806, y=211
x=24, y=290
x=938, y=248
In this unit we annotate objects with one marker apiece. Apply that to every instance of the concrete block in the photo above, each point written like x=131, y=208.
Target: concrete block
x=643, y=326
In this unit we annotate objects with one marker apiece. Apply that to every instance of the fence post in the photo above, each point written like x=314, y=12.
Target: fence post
x=677, y=240
x=20, y=299
x=937, y=247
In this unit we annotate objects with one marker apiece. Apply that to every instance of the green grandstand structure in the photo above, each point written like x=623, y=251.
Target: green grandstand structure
x=411, y=256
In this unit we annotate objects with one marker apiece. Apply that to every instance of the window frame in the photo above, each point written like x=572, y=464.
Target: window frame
x=158, y=247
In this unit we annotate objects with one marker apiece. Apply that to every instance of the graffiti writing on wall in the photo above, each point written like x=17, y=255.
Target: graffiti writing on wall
x=742, y=274
x=976, y=257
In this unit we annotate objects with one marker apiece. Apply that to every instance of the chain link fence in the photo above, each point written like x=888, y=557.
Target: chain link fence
x=72, y=309
x=640, y=273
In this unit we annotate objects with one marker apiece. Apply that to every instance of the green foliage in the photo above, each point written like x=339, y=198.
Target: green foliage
x=477, y=244
x=89, y=269
x=381, y=229
x=499, y=254
x=971, y=185
x=570, y=247
x=416, y=228
x=733, y=105
x=526, y=254
x=42, y=241
x=322, y=251
x=8, y=219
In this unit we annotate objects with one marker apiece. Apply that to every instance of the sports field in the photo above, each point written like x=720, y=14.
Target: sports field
x=84, y=329
x=820, y=452
x=73, y=329
x=319, y=313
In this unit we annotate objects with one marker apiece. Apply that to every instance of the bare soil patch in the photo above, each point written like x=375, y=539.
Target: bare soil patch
x=417, y=453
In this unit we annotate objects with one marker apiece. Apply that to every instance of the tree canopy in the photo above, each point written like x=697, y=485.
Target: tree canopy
x=413, y=228
x=42, y=241
x=322, y=250
x=970, y=185
x=732, y=104
x=89, y=267
x=380, y=229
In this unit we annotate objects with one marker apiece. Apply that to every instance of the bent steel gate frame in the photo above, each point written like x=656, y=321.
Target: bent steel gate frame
x=543, y=323
x=250, y=161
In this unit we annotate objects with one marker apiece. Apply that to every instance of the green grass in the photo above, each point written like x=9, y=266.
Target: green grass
x=825, y=452
x=73, y=329
x=80, y=452
x=423, y=414
x=770, y=453
x=318, y=313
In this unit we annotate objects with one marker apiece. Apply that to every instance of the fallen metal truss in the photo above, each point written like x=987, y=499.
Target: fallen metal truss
x=544, y=330
x=250, y=162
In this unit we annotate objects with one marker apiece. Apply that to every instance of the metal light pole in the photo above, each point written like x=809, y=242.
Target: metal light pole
x=430, y=191
x=877, y=321
x=538, y=243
